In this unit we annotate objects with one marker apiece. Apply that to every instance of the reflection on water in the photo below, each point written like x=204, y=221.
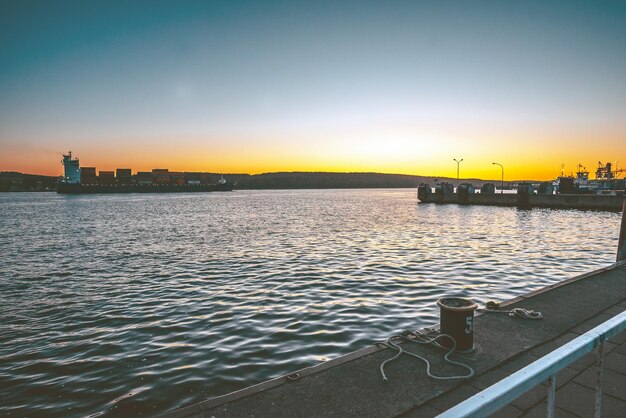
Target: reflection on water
x=140, y=304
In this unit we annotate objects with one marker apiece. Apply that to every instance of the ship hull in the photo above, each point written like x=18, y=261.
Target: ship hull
x=72, y=188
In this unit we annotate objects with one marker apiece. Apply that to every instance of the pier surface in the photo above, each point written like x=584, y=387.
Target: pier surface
x=351, y=385
x=556, y=201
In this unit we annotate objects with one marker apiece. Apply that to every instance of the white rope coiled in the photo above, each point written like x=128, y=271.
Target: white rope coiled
x=421, y=339
x=522, y=313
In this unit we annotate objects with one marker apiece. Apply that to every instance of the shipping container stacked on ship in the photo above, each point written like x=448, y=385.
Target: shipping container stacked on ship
x=106, y=177
x=144, y=178
x=193, y=178
x=206, y=178
x=123, y=176
x=161, y=176
x=88, y=175
x=177, y=178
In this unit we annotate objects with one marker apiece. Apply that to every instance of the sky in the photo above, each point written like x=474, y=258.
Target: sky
x=250, y=87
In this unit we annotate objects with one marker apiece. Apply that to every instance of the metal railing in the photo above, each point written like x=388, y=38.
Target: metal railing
x=543, y=370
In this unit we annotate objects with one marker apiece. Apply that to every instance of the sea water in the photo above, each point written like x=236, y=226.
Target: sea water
x=139, y=304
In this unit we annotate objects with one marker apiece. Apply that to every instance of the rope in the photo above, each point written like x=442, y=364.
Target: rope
x=522, y=313
x=526, y=313
x=421, y=339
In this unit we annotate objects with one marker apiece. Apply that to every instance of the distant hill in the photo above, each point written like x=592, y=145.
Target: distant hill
x=322, y=180
x=13, y=181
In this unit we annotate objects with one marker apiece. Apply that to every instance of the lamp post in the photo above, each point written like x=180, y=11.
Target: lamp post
x=502, y=167
x=458, y=163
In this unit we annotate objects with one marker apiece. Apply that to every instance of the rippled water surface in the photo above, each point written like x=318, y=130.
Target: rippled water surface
x=129, y=304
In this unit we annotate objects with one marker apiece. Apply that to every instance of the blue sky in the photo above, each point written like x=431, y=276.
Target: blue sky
x=263, y=86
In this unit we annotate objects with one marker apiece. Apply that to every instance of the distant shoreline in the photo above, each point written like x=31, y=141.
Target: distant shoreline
x=19, y=182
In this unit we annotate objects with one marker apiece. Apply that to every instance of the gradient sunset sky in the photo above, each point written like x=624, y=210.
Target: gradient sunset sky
x=395, y=87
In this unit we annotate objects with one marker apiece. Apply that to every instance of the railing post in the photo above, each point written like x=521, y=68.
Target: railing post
x=542, y=370
x=599, y=378
x=621, y=246
x=551, y=396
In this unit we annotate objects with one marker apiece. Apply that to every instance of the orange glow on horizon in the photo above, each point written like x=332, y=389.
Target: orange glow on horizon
x=425, y=152
x=539, y=169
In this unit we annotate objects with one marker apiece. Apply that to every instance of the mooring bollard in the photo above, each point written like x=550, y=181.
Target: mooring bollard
x=457, y=320
x=621, y=246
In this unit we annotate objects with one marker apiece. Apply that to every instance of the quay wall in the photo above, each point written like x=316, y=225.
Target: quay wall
x=558, y=201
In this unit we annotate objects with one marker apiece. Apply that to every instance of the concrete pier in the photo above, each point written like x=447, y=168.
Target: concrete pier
x=576, y=384
x=351, y=386
x=557, y=201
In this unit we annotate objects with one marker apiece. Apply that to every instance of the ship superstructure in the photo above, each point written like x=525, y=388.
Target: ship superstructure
x=607, y=180
x=581, y=182
x=71, y=172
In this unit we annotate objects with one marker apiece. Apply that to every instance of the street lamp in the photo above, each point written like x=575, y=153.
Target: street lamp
x=501, y=187
x=458, y=163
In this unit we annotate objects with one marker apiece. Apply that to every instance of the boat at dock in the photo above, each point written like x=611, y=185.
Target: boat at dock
x=83, y=180
x=606, y=192
x=607, y=181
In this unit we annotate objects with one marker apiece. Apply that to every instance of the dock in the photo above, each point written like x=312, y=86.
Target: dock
x=527, y=201
x=352, y=386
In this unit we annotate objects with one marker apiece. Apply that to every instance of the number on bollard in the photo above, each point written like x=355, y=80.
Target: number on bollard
x=469, y=321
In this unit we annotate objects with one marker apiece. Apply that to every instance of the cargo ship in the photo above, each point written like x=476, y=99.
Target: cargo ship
x=83, y=180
